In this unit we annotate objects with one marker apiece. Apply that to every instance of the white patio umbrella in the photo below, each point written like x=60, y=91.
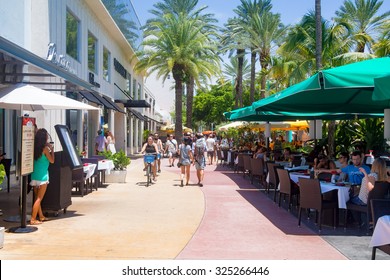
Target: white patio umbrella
x=30, y=98
x=236, y=124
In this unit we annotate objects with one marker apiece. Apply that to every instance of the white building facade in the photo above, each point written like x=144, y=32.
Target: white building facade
x=76, y=49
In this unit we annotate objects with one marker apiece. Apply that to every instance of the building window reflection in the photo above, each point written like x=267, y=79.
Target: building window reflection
x=72, y=35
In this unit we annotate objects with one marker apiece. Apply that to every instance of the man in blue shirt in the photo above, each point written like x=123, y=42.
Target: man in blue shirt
x=354, y=175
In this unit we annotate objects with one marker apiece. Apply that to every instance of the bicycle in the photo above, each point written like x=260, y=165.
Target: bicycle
x=149, y=159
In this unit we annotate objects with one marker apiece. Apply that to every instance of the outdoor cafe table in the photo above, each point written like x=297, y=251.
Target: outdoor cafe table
x=104, y=166
x=381, y=234
x=89, y=169
x=343, y=192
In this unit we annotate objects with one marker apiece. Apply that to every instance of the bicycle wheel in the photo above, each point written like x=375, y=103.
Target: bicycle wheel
x=148, y=173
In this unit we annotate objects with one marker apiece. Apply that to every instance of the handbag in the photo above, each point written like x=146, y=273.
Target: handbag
x=179, y=164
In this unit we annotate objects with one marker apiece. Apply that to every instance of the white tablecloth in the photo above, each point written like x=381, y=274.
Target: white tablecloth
x=381, y=234
x=89, y=169
x=296, y=175
x=343, y=193
x=106, y=164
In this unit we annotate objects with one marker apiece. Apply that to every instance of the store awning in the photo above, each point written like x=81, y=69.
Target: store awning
x=137, y=114
x=151, y=119
x=90, y=97
x=130, y=103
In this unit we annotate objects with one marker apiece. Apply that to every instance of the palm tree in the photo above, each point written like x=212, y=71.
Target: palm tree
x=382, y=46
x=236, y=39
x=318, y=35
x=186, y=8
x=266, y=29
x=246, y=12
x=360, y=16
x=178, y=44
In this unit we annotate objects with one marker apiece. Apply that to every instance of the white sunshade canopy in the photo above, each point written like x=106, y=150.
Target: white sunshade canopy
x=30, y=98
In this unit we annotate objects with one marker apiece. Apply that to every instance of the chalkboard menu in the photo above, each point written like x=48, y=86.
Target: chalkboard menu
x=68, y=147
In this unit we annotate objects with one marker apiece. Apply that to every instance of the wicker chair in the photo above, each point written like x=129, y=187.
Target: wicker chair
x=258, y=170
x=273, y=177
x=286, y=187
x=379, y=191
x=379, y=208
x=324, y=176
x=247, y=165
x=312, y=198
x=78, y=181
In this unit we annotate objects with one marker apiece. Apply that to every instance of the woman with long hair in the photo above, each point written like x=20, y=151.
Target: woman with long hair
x=186, y=158
x=43, y=156
x=378, y=173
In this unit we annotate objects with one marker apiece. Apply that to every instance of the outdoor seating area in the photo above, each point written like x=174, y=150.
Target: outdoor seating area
x=318, y=199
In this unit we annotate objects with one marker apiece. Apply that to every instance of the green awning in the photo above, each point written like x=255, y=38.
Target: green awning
x=382, y=88
x=345, y=89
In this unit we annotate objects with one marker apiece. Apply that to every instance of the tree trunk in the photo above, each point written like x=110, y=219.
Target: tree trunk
x=178, y=75
x=190, y=101
x=240, y=57
x=318, y=35
x=253, y=77
x=263, y=78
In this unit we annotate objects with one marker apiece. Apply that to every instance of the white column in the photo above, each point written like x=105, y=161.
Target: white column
x=136, y=135
x=267, y=132
x=387, y=124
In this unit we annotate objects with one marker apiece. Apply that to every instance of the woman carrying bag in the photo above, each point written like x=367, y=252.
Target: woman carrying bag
x=186, y=158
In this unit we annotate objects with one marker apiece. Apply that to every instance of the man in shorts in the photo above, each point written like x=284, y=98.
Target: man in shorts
x=171, y=147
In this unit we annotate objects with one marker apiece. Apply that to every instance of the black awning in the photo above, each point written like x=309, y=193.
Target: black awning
x=151, y=119
x=112, y=104
x=130, y=103
x=137, y=114
x=90, y=97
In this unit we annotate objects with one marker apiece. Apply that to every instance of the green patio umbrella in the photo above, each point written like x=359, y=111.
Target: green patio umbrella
x=250, y=114
x=382, y=88
x=345, y=89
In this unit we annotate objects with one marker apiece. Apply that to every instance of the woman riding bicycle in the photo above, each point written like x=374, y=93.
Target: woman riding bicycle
x=150, y=148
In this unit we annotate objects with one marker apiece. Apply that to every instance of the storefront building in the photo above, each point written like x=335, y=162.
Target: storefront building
x=76, y=49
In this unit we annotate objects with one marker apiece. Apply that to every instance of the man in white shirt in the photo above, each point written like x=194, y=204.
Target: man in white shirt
x=171, y=147
x=210, y=142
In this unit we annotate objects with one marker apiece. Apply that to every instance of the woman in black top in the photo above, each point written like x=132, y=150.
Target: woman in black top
x=150, y=148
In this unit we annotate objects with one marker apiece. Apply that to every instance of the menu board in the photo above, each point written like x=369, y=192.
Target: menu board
x=27, y=150
x=68, y=146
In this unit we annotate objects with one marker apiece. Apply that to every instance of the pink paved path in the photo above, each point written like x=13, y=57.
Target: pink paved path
x=240, y=222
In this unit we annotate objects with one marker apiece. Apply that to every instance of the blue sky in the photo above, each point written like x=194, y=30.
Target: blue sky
x=291, y=12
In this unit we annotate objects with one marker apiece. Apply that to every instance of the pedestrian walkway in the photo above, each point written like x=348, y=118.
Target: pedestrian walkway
x=226, y=219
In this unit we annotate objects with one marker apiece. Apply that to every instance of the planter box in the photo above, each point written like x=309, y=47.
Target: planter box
x=116, y=176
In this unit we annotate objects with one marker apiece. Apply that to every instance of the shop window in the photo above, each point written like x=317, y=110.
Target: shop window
x=134, y=88
x=92, y=51
x=72, y=35
x=128, y=84
x=106, y=64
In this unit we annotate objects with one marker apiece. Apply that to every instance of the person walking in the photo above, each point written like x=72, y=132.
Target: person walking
x=171, y=148
x=199, y=158
x=185, y=160
x=100, y=142
x=43, y=156
x=110, y=142
x=160, y=148
x=210, y=142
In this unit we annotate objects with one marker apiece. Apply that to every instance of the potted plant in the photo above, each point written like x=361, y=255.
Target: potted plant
x=2, y=173
x=121, y=161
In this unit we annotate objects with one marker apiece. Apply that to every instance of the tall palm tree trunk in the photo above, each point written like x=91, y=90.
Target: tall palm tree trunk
x=240, y=57
x=178, y=75
x=253, y=76
x=190, y=101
